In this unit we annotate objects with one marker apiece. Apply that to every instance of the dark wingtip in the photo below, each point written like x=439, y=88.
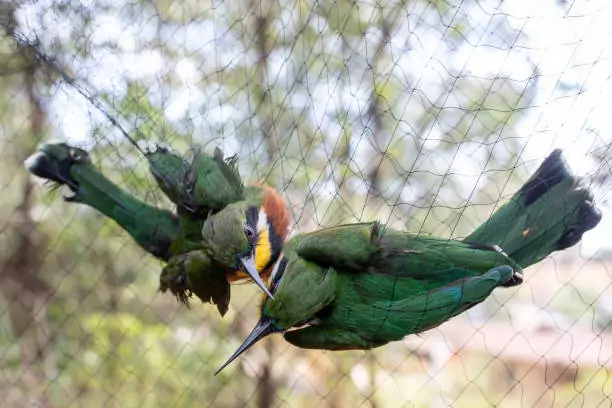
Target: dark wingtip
x=588, y=217
x=39, y=164
x=222, y=303
x=218, y=154
x=53, y=162
x=551, y=172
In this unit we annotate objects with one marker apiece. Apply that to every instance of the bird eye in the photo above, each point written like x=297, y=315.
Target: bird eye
x=248, y=231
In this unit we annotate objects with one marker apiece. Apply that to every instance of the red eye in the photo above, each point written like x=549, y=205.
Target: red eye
x=248, y=231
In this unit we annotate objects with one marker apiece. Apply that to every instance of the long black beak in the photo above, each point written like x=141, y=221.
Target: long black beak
x=262, y=329
x=251, y=269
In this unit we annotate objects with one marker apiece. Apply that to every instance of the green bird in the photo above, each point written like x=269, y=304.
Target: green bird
x=361, y=286
x=245, y=239
x=154, y=229
x=193, y=266
x=200, y=187
x=256, y=215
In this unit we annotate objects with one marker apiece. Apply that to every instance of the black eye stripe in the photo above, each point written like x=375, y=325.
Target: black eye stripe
x=252, y=216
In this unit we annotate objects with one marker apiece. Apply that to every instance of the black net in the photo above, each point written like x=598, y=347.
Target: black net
x=425, y=115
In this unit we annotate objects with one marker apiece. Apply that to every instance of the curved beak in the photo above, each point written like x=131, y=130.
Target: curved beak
x=249, y=265
x=262, y=329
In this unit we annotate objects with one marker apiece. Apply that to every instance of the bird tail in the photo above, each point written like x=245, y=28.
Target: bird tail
x=549, y=213
x=152, y=228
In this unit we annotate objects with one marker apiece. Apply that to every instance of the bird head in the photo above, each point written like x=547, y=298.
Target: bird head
x=53, y=162
x=248, y=236
x=301, y=289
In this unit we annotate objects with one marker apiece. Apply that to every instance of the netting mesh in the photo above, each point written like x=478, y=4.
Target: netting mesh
x=425, y=115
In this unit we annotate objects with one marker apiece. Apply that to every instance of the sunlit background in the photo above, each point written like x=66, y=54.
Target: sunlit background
x=423, y=114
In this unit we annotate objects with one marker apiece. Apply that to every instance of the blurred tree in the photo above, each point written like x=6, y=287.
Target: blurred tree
x=356, y=110
x=24, y=244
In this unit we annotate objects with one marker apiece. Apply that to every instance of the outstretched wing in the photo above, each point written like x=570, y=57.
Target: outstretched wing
x=360, y=324
x=369, y=247
x=152, y=228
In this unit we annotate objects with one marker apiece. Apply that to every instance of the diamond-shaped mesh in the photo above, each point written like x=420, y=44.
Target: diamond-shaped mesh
x=424, y=114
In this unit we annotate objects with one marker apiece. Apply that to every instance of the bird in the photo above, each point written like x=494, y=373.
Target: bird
x=361, y=286
x=203, y=187
x=200, y=188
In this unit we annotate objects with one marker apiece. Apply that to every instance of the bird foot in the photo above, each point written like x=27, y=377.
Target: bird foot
x=175, y=279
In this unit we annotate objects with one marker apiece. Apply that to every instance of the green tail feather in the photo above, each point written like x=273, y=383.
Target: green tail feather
x=168, y=169
x=152, y=228
x=549, y=213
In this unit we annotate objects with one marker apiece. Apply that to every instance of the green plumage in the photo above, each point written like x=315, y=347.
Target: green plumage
x=203, y=186
x=199, y=188
x=361, y=286
x=152, y=228
x=549, y=213
x=168, y=169
x=396, y=283
x=403, y=283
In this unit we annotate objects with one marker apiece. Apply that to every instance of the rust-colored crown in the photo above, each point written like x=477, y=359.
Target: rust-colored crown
x=276, y=210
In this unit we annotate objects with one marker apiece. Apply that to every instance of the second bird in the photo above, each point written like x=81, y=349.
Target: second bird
x=361, y=286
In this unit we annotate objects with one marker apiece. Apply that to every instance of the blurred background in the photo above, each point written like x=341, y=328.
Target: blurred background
x=425, y=114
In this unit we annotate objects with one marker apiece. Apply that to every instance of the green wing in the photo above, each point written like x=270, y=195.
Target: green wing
x=168, y=169
x=351, y=246
x=364, y=323
x=152, y=228
x=212, y=183
x=369, y=247
x=391, y=284
x=204, y=185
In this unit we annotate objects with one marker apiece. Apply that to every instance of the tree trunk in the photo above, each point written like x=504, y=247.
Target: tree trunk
x=27, y=295
x=266, y=388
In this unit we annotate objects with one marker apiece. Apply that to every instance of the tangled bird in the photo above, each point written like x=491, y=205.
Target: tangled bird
x=352, y=286
x=203, y=256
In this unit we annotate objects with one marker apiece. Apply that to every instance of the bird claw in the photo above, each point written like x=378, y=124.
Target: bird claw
x=174, y=278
